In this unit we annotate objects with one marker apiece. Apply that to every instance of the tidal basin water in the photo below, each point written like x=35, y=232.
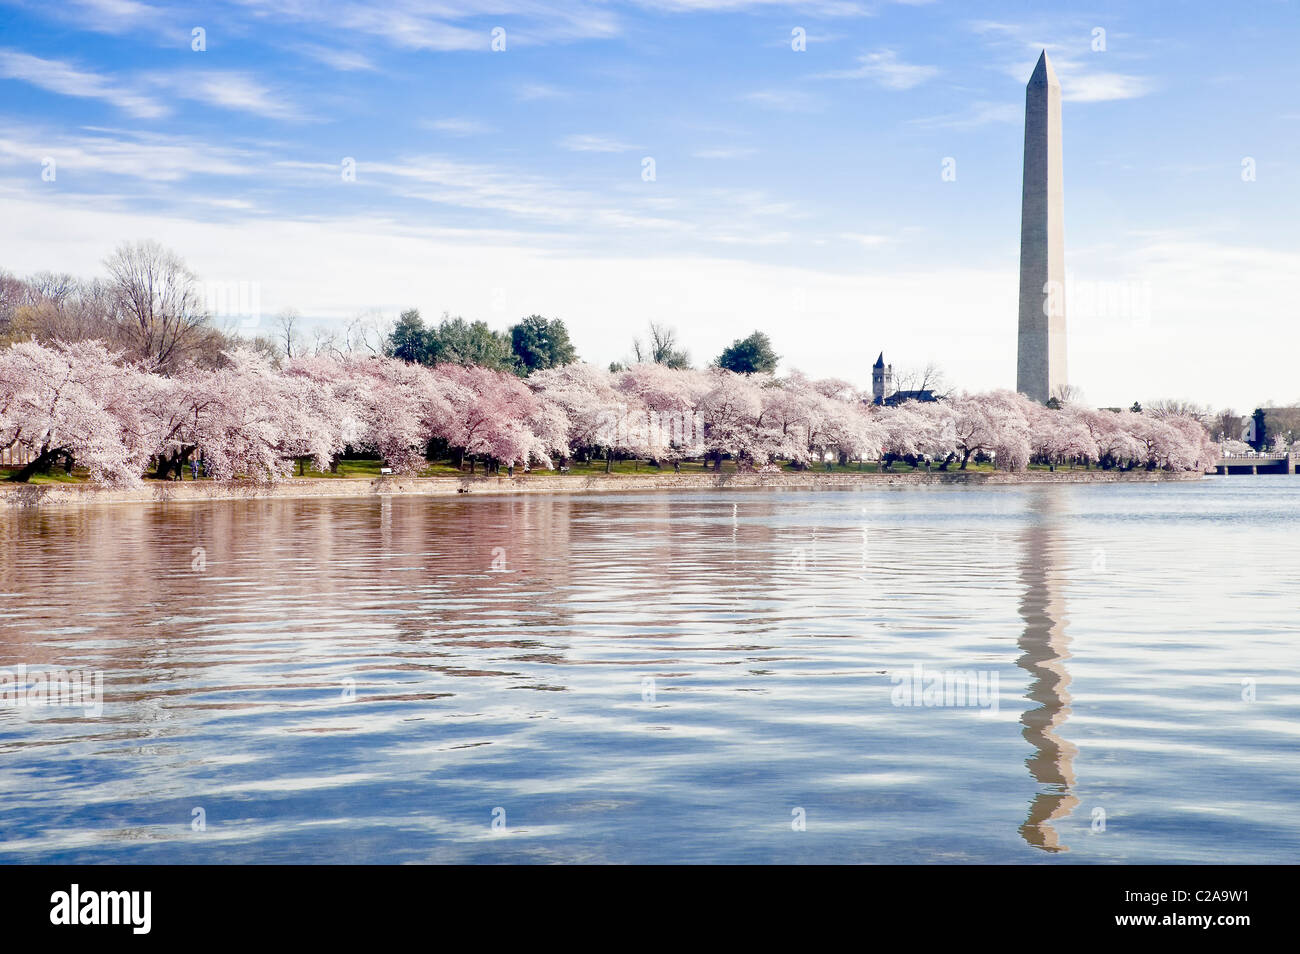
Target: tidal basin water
x=659, y=677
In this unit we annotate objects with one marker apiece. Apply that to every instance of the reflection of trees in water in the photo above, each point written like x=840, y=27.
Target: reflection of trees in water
x=1045, y=648
x=481, y=572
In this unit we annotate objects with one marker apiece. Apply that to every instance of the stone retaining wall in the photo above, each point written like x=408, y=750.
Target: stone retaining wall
x=45, y=495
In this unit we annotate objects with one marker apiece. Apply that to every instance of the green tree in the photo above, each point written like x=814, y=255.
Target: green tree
x=409, y=338
x=1136, y=408
x=539, y=344
x=457, y=341
x=1261, y=429
x=749, y=355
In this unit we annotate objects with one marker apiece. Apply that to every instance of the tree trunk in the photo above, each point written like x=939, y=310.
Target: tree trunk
x=40, y=464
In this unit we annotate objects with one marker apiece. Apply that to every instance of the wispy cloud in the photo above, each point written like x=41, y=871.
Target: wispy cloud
x=593, y=143
x=340, y=59
x=885, y=69
x=866, y=240
x=1100, y=87
x=459, y=126
x=144, y=156
x=531, y=91
x=230, y=90
x=408, y=30
x=1086, y=75
x=725, y=152
x=56, y=76
x=117, y=17
x=979, y=114
x=786, y=100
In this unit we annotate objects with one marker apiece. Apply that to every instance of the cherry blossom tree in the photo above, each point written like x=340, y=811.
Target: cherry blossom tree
x=385, y=405
x=248, y=419
x=585, y=401
x=730, y=411
x=75, y=403
x=670, y=400
x=495, y=415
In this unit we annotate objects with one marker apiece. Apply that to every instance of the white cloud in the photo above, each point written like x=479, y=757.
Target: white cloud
x=409, y=31
x=459, y=127
x=531, y=91
x=230, y=90
x=339, y=59
x=885, y=69
x=785, y=100
x=725, y=152
x=149, y=157
x=865, y=240
x=1101, y=87
x=594, y=143
x=1080, y=70
x=116, y=16
x=56, y=76
x=979, y=114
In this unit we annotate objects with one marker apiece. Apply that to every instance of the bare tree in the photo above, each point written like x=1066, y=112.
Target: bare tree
x=1225, y=424
x=661, y=348
x=288, y=338
x=928, y=378
x=1067, y=394
x=366, y=333
x=326, y=341
x=50, y=307
x=1175, y=407
x=158, y=296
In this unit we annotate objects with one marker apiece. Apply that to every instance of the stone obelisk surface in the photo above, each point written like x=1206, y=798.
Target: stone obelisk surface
x=1040, y=361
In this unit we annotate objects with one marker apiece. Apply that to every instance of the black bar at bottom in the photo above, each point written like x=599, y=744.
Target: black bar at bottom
x=333, y=904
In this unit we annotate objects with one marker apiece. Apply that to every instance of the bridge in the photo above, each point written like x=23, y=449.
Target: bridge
x=1258, y=463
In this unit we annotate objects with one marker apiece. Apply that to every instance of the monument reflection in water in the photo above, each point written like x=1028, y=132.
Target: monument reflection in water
x=1045, y=647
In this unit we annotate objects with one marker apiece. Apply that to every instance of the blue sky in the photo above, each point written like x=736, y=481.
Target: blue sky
x=797, y=191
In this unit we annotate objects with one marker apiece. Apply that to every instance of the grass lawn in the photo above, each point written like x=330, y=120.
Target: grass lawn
x=56, y=475
x=364, y=469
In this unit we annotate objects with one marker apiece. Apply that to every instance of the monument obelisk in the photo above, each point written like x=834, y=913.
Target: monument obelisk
x=1040, y=360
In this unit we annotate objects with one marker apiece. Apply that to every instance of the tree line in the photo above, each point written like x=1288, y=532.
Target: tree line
x=84, y=404
x=127, y=375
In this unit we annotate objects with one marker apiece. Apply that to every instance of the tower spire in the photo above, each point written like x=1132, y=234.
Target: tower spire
x=1041, y=352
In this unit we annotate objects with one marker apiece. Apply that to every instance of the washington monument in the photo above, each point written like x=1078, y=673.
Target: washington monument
x=1040, y=361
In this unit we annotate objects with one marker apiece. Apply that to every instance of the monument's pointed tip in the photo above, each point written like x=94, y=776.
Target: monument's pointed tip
x=1043, y=72
x=880, y=362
